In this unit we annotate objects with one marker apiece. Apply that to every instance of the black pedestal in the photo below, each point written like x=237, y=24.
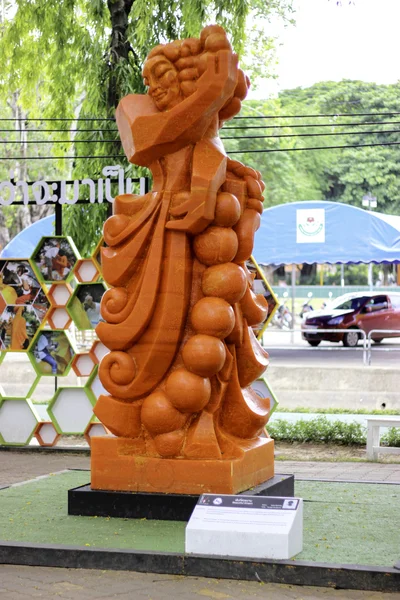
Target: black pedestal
x=168, y=507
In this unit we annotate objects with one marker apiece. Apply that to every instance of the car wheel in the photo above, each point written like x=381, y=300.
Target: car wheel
x=314, y=342
x=377, y=340
x=350, y=338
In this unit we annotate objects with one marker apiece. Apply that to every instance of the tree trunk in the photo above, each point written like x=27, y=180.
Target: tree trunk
x=4, y=233
x=119, y=45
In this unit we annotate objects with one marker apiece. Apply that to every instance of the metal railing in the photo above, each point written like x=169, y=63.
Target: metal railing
x=370, y=340
x=367, y=339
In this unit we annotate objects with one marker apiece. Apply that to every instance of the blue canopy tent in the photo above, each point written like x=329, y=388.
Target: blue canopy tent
x=24, y=243
x=326, y=232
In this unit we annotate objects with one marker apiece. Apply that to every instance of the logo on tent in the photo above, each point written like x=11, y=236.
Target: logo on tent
x=310, y=226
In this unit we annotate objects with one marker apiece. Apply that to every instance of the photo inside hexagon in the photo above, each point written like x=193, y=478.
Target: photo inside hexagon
x=18, y=283
x=17, y=375
x=52, y=353
x=18, y=325
x=55, y=258
x=84, y=306
x=41, y=305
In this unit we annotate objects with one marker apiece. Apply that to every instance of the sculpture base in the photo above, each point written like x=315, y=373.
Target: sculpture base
x=115, y=467
x=86, y=502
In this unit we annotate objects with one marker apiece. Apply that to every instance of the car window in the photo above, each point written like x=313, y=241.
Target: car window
x=395, y=301
x=377, y=303
x=349, y=304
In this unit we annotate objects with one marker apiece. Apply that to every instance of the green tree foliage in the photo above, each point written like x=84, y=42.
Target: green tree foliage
x=343, y=175
x=77, y=58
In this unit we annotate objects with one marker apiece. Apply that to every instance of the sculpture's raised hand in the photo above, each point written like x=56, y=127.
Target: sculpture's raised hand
x=220, y=74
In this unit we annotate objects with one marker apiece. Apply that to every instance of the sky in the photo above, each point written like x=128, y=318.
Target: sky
x=329, y=42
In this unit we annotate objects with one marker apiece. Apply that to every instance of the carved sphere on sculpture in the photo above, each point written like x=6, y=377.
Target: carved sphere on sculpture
x=188, y=392
x=227, y=281
x=227, y=210
x=216, y=245
x=204, y=355
x=213, y=316
x=159, y=416
x=169, y=444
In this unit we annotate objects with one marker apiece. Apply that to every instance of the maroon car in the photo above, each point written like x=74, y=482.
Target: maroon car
x=351, y=313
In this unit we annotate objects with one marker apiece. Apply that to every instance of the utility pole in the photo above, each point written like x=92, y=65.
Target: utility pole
x=370, y=202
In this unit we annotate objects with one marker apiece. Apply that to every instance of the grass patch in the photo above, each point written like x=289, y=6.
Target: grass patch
x=343, y=523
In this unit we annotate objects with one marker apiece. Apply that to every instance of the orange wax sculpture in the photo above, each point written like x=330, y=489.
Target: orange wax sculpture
x=179, y=315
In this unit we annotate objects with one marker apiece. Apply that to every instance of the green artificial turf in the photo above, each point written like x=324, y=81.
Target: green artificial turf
x=343, y=523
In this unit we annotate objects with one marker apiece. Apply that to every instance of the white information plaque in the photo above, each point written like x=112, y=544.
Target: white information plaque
x=246, y=526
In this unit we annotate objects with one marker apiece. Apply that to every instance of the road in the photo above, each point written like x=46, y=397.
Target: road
x=283, y=352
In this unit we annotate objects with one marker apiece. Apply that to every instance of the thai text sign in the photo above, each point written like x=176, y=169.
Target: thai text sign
x=43, y=192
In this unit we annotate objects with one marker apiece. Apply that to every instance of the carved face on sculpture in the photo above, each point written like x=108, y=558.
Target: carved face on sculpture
x=161, y=77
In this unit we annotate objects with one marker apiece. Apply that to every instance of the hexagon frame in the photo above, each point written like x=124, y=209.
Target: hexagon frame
x=75, y=307
x=78, y=357
x=31, y=389
x=36, y=269
x=90, y=396
x=94, y=375
x=31, y=266
x=95, y=253
x=33, y=359
x=27, y=349
x=53, y=313
x=257, y=386
x=39, y=438
x=52, y=289
x=264, y=325
x=93, y=354
x=81, y=263
x=90, y=426
x=34, y=413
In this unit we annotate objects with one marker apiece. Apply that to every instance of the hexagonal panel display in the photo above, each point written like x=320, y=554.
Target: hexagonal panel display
x=97, y=253
x=18, y=283
x=59, y=318
x=18, y=325
x=98, y=351
x=83, y=364
x=60, y=293
x=86, y=271
x=54, y=258
x=17, y=422
x=95, y=386
x=95, y=430
x=46, y=434
x=41, y=305
x=84, y=306
x=52, y=353
x=262, y=287
x=17, y=376
x=71, y=410
x=263, y=390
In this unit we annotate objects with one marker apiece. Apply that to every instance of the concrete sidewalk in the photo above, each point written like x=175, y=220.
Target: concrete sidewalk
x=20, y=466
x=18, y=582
